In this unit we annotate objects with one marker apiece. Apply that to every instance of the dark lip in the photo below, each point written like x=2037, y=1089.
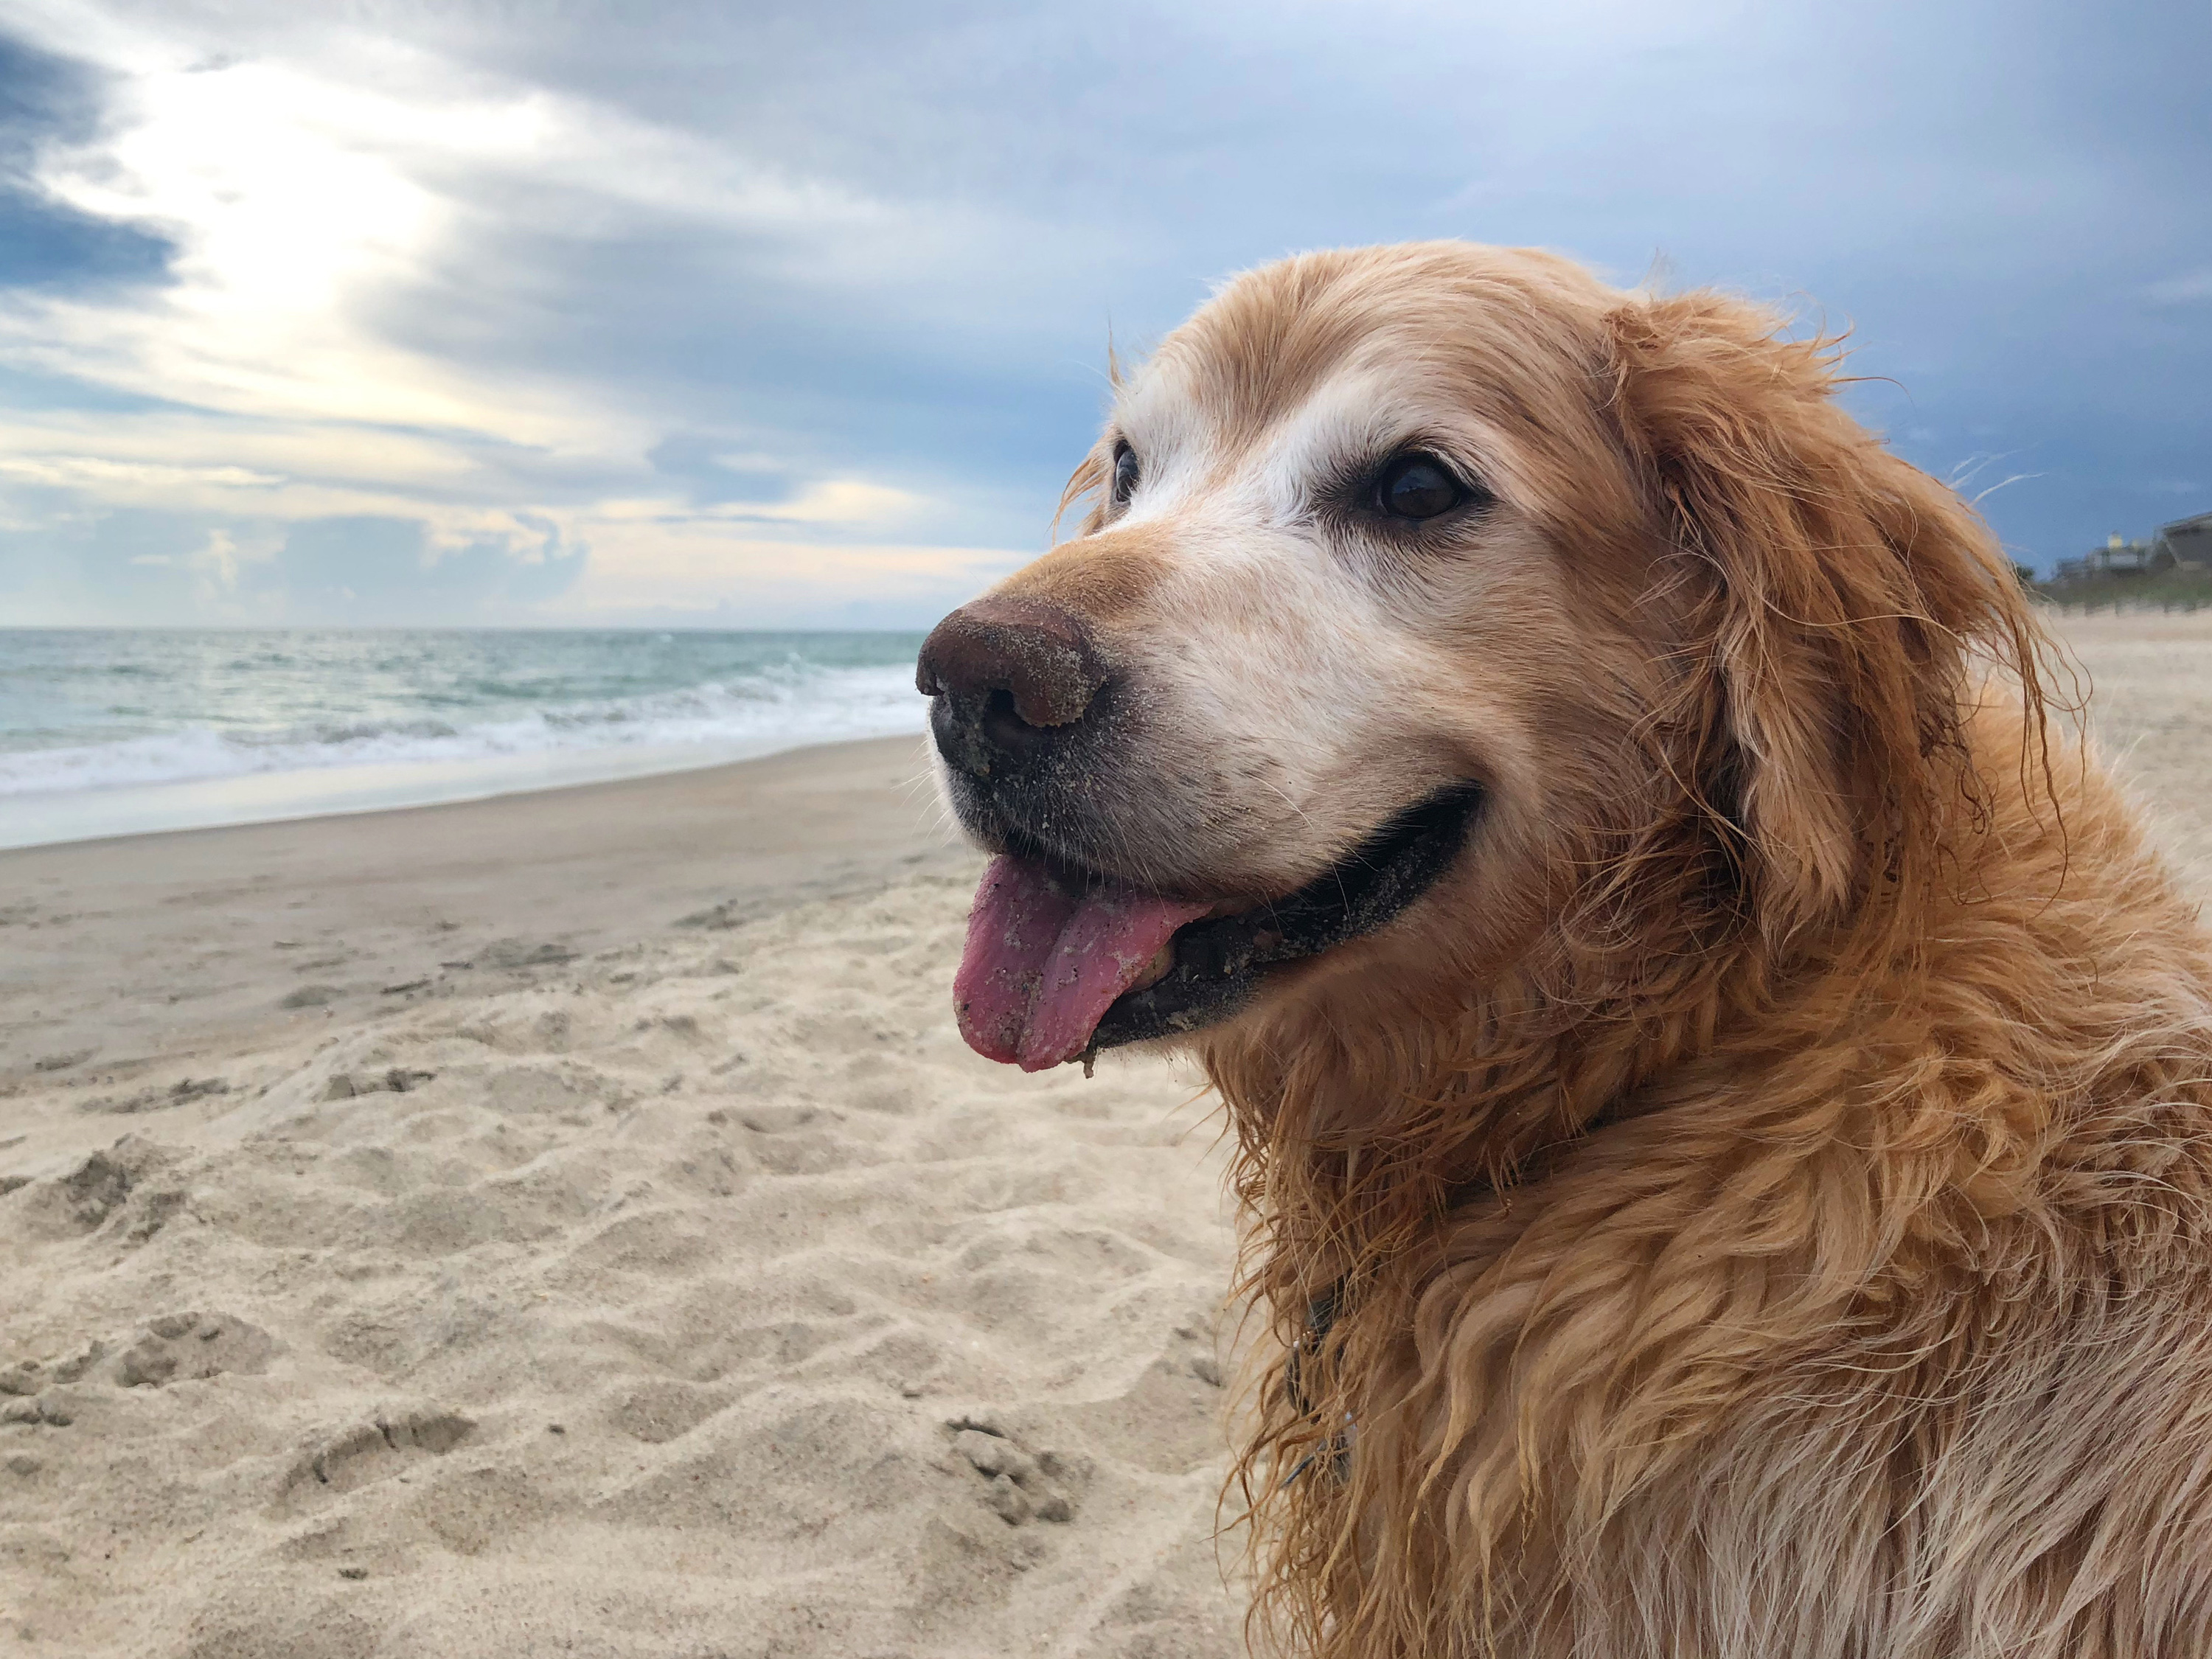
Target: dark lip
x=1219, y=961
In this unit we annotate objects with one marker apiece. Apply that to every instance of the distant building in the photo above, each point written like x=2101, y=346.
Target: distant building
x=2184, y=545
x=2187, y=543
x=2117, y=557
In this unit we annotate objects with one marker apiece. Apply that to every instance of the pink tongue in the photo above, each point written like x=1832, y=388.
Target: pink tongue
x=1041, y=966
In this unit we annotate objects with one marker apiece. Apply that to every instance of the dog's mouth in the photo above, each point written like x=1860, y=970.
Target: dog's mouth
x=1062, y=961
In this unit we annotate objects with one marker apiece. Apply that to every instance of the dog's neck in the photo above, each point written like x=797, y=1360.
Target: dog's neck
x=1351, y=1152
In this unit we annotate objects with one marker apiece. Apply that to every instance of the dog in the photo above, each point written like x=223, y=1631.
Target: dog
x=1719, y=1077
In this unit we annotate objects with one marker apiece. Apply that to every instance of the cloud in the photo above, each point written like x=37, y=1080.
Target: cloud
x=371, y=570
x=371, y=248
x=812, y=307
x=2193, y=287
x=99, y=471
x=134, y=565
x=45, y=241
x=655, y=571
x=295, y=207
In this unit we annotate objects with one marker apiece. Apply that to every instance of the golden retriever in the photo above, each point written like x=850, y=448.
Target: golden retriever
x=1721, y=1086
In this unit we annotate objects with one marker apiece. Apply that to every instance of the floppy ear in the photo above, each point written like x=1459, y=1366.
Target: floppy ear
x=1835, y=594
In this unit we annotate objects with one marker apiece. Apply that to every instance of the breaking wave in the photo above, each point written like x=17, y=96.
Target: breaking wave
x=785, y=708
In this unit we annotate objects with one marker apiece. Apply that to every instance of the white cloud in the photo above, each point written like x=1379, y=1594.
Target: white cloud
x=161, y=478
x=698, y=565
x=609, y=266
x=269, y=449
x=317, y=189
x=2194, y=286
x=347, y=330
x=217, y=563
x=302, y=208
x=843, y=503
x=214, y=567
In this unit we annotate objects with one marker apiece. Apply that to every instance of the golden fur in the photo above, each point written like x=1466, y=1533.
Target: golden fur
x=1761, y=1193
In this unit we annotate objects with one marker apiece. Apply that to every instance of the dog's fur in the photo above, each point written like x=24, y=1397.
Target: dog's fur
x=1755, y=1204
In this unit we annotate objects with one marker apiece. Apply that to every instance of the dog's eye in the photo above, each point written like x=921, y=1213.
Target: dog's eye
x=1417, y=487
x=1125, y=473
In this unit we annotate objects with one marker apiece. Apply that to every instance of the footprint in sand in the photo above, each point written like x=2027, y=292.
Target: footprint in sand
x=34, y=1395
x=110, y=1181
x=31, y=1414
x=187, y=1347
x=522, y=953
x=1022, y=1485
x=767, y=1120
x=98, y=1186
x=182, y=1092
x=174, y=1348
x=373, y=1451
x=397, y=1080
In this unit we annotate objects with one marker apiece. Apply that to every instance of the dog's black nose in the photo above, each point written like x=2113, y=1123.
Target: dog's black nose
x=1011, y=677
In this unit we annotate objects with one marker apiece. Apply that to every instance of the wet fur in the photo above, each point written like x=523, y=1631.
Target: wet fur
x=1762, y=1198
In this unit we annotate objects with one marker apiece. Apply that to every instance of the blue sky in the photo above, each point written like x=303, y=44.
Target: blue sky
x=737, y=315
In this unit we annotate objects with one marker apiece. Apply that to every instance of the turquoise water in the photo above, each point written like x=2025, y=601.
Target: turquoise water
x=100, y=727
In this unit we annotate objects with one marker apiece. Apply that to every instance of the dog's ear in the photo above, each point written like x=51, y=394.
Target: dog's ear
x=1835, y=595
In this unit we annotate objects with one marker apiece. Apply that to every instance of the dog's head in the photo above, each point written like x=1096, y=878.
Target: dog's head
x=1432, y=600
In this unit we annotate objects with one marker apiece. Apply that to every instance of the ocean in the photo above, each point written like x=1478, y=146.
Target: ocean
x=112, y=731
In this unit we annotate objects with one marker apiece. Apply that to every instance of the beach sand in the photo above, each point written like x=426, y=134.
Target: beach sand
x=2148, y=680
x=570, y=1223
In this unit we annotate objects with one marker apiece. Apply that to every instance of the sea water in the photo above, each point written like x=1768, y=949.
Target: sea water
x=108, y=731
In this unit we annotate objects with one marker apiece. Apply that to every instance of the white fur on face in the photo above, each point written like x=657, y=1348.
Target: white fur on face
x=1159, y=416
x=1298, y=690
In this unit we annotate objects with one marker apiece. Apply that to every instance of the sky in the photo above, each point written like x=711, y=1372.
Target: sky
x=561, y=313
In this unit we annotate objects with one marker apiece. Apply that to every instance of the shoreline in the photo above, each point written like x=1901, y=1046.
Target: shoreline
x=121, y=953
x=66, y=818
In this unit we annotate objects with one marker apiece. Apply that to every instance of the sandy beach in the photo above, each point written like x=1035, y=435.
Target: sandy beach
x=571, y=1224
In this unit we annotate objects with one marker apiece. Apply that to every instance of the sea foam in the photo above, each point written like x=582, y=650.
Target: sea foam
x=782, y=710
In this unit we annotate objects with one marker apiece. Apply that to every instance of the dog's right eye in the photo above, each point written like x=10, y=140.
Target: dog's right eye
x=1125, y=473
